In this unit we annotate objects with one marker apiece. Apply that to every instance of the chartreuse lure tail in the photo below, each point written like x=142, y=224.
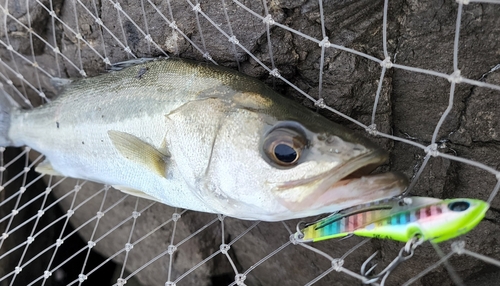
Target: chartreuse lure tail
x=431, y=219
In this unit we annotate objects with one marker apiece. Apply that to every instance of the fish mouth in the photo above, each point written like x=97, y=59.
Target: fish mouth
x=349, y=184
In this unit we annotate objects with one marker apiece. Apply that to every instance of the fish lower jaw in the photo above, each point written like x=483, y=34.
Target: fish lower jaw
x=347, y=193
x=365, y=189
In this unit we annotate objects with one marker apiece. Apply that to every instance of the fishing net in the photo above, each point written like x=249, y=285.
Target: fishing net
x=418, y=77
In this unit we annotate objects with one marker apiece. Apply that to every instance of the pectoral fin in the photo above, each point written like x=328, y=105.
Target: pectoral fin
x=138, y=151
x=135, y=193
x=46, y=168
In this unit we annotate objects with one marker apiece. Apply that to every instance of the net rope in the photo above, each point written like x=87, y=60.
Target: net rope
x=19, y=86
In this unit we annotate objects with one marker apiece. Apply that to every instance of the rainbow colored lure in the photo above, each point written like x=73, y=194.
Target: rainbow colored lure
x=432, y=219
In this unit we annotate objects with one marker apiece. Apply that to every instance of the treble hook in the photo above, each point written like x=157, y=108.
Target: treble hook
x=409, y=248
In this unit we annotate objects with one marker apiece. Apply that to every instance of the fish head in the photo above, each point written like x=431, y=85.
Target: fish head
x=318, y=169
x=274, y=159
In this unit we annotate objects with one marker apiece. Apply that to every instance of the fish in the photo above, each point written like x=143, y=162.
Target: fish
x=201, y=137
x=426, y=218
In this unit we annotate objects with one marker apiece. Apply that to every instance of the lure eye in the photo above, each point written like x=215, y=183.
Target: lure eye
x=283, y=146
x=459, y=206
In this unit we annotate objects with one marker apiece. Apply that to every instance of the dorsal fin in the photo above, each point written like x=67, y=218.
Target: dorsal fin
x=125, y=64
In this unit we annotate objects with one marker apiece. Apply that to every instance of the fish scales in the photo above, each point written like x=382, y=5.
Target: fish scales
x=201, y=137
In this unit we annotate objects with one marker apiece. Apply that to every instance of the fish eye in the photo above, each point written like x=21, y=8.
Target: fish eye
x=285, y=154
x=283, y=146
x=458, y=206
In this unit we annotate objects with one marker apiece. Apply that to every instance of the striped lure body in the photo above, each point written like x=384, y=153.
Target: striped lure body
x=433, y=219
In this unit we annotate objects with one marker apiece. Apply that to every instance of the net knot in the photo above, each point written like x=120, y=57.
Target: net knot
x=320, y=103
x=224, y=248
x=372, y=129
x=170, y=283
x=432, y=150
x=294, y=239
x=207, y=56
x=233, y=40
x=77, y=188
x=176, y=217
x=14, y=212
x=197, y=8
x=221, y=217
x=464, y=2
x=268, y=20
x=240, y=279
x=173, y=25
x=59, y=242
x=99, y=215
x=455, y=77
x=99, y=21
x=128, y=246
x=56, y=50
x=47, y=274
x=70, y=213
x=458, y=247
x=117, y=6
x=171, y=249
x=5, y=235
x=40, y=213
x=337, y=264
x=26, y=169
x=128, y=50
x=121, y=282
x=275, y=72
x=325, y=43
x=148, y=38
x=497, y=176
x=52, y=13
x=386, y=63
x=30, y=240
x=18, y=269
x=136, y=214
x=82, y=278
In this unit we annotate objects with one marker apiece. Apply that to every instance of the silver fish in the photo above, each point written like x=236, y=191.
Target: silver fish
x=201, y=137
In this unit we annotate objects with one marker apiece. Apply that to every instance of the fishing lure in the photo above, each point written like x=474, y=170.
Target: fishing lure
x=429, y=218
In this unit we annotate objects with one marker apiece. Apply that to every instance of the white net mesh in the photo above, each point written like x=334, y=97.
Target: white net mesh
x=421, y=78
